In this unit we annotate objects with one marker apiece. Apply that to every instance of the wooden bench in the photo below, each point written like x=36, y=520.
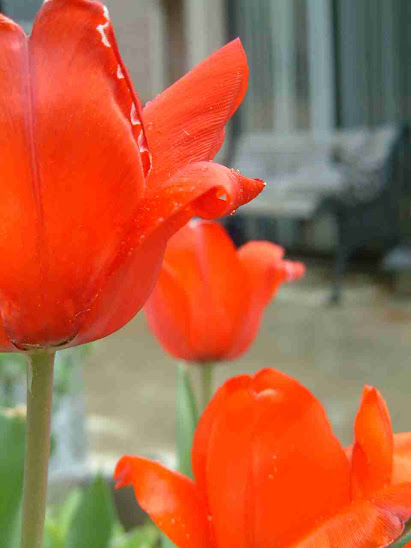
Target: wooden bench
x=352, y=175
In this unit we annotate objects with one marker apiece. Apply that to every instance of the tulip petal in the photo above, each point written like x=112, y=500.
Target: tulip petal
x=17, y=238
x=263, y=266
x=192, y=113
x=125, y=292
x=266, y=458
x=365, y=524
x=205, y=426
x=169, y=498
x=372, y=455
x=292, y=271
x=204, y=283
x=71, y=159
x=299, y=470
x=195, y=190
x=228, y=467
x=262, y=262
x=402, y=458
x=5, y=344
x=168, y=314
x=203, y=189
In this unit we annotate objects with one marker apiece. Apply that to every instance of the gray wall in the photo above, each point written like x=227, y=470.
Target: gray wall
x=373, y=44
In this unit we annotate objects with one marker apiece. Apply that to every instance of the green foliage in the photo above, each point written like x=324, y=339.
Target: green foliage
x=87, y=519
x=92, y=521
x=147, y=536
x=12, y=439
x=59, y=521
x=13, y=374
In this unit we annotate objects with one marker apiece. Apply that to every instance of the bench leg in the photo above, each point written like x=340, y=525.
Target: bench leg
x=340, y=266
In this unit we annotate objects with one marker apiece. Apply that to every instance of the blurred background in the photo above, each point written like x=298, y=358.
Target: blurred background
x=325, y=123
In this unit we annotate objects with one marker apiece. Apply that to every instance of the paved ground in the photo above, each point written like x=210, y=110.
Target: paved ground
x=333, y=350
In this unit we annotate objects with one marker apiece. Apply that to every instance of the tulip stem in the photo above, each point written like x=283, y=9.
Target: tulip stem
x=206, y=383
x=39, y=403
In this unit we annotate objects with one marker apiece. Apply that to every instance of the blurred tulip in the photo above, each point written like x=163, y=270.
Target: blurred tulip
x=92, y=185
x=210, y=298
x=270, y=473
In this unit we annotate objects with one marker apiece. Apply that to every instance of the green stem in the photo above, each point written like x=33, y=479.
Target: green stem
x=186, y=419
x=39, y=402
x=206, y=383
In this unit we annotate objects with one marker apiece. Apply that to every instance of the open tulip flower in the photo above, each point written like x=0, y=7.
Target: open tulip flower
x=93, y=185
x=92, y=188
x=210, y=297
x=270, y=473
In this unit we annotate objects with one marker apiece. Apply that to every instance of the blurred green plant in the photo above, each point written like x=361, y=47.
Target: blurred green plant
x=13, y=375
x=12, y=439
x=87, y=519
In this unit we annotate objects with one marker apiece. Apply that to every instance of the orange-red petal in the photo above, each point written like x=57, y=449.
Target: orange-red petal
x=186, y=122
x=372, y=455
x=292, y=270
x=71, y=168
x=169, y=316
x=18, y=219
x=262, y=261
x=266, y=459
x=262, y=265
x=195, y=190
x=203, y=189
x=5, y=344
x=203, y=281
x=126, y=290
x=205, y=427
x=229, y=470
x=402, y=458
x=365, y=524
x=169, y=498
x=299, y=470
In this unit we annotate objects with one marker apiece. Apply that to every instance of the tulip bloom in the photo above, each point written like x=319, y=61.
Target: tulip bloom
x=210, y=297
x=92, y=185
x=270, y=473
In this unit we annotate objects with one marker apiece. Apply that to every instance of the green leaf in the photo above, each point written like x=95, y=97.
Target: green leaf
x=68, y=510
x=92, y=522
x=53, y=535
x=58, y=520
x=12, y=439
x=186, y=419
x=143, y=537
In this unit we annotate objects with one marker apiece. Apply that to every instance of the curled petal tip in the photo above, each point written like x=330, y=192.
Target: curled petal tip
x=251, y=188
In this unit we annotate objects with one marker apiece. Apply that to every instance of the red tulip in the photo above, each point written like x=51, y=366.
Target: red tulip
x=210, y=297
x=92, y=186
x=270, y=473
